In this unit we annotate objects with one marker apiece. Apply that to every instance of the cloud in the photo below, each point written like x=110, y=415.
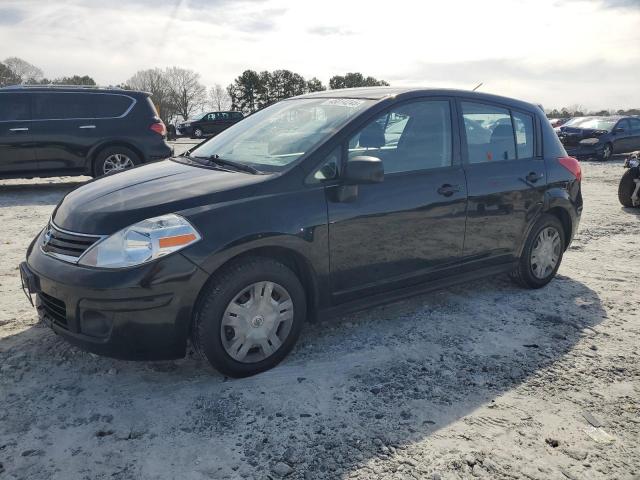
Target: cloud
x=11, y=16
x=329, y=30
x=411, y=44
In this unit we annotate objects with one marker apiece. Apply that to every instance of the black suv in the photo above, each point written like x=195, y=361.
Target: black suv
x=208, y=124
x=51, y=131
x=330, y=201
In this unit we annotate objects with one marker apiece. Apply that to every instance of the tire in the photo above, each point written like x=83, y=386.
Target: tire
x=107, y=160
x=198, y=133
x=626, y=188
x=217, y=331
x=528, y=273
x=606, y=153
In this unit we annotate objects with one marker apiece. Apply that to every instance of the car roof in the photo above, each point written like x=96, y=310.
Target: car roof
x=381, y=93
x=71, y=88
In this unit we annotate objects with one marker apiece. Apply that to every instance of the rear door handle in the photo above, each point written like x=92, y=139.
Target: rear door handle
x=87, y=126
x=19, y=129
x=447, y=190
x=533, y=177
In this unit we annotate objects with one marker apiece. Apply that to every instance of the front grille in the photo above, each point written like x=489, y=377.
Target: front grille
x=66, y=244
x=55, y=309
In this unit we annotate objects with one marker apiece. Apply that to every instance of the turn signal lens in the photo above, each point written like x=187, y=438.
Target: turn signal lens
x=573, y=165
x=177, y=241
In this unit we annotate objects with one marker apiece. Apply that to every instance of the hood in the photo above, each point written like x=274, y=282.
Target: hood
x=108, y=204
x=572, y=135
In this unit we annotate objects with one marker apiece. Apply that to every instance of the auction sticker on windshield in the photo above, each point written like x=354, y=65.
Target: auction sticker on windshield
x=344, y=102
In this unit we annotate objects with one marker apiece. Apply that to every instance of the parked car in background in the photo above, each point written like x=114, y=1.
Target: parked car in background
x=51, y=130
x=557, y=122
x=322, y=203
x=208, y=124
x=600, y=137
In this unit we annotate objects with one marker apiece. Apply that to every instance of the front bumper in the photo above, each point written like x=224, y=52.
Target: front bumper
x=584, y=151
x=138, y=313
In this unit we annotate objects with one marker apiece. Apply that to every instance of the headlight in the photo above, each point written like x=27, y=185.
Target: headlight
x=186, y=125
x=589, y=141
x=141, y=243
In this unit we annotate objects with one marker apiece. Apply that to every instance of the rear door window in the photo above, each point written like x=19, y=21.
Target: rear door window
x=61, y=106
x=635, y=126
x=14, y=106
x=489, y=132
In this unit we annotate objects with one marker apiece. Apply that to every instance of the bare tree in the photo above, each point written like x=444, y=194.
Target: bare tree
x=155, y=82
x=7, y=77
x=24, y=70
x=219, y=98
x=188, y=95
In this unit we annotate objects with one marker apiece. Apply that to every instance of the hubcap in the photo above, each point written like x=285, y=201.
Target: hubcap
x=116, y=162
x=545, y=253
x=257, y=322
x=606, y=153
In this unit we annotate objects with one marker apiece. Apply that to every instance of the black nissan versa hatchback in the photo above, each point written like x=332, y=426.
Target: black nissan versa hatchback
x=317, y=204
x=57, y=130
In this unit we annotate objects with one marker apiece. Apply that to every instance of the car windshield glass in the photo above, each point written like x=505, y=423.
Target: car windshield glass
x=277, y=136
x=592, y=122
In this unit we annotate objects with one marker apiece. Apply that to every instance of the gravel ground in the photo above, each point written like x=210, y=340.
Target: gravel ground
x=482, y=380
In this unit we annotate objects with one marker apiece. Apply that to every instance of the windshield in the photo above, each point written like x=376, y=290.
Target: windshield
x=277, y=136
x=594, y=123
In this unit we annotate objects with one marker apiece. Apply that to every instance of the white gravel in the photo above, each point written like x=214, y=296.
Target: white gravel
x=483, y=380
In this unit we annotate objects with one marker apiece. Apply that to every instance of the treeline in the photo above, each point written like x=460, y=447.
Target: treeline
x=179, y=92
x=581, y=111
x=14, y=70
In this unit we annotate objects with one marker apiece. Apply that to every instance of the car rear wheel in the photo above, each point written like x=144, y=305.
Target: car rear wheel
x=542, y=253
x=115, y=159
x=607, y=151
x=626, y=188
x=249, y=317
x=198, y=133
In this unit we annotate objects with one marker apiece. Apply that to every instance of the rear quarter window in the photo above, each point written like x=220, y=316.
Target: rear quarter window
x=106, y=105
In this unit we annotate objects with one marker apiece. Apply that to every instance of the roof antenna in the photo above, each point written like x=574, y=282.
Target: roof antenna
x=477, y=87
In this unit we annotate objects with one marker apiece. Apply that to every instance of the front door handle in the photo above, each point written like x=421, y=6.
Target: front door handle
x=447, y=190
x=533, y=177
x=18, y=130
x=87, y=126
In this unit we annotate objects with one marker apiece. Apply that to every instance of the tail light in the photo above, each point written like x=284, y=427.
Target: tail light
x=159, y=128
x=572, y=165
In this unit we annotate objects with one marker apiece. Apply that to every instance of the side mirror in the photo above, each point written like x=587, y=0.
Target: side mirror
x=619, y=130
x=363, y=169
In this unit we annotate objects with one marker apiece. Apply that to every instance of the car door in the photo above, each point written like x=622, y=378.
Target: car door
x=398, y=232
x=62, y=129
x=207, y=123
x=16, y=151
x=506, y=179
x=622, y=137
x=634, y=136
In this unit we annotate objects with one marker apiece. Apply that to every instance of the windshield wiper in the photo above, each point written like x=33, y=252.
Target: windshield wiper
x=215, y=158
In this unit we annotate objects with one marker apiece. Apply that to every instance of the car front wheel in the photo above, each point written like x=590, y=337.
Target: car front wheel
x=542, y=253
x=198, y=133
x=249, y=317
x=607, y=151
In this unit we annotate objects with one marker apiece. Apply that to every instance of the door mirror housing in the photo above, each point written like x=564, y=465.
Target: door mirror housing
x=362, y=170
x=619, y=130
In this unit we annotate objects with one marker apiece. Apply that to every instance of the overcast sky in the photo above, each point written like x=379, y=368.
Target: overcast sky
x=554, y=52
